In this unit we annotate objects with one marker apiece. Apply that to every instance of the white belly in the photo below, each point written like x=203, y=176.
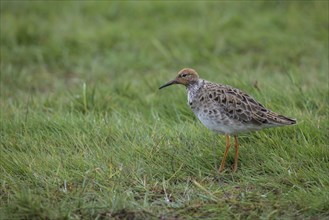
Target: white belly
x=218, y=124
x=225, y=125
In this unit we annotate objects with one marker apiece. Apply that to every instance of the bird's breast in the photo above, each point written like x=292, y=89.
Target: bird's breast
x=210, y=113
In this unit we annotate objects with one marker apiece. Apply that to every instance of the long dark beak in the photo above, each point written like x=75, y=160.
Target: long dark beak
x=169, y=83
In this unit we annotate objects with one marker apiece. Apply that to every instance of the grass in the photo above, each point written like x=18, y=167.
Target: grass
x=85, y=133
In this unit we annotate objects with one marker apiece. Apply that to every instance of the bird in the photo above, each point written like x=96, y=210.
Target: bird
x=226, y=110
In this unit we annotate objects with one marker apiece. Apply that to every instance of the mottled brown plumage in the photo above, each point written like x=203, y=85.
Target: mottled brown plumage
x=225, y=109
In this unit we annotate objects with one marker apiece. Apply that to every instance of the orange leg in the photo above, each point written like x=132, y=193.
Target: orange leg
x=221, y=168
x=236, y=146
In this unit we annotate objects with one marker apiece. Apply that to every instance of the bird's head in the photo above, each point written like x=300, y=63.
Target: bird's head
x=185, y=77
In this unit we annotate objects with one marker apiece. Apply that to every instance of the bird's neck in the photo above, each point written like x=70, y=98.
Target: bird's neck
x=194, y=86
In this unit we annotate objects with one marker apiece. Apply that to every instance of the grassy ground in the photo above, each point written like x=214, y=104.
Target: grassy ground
x=85, y=132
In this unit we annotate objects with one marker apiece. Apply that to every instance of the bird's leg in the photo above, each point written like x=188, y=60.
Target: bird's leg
x=221, y=168
x=236, y=146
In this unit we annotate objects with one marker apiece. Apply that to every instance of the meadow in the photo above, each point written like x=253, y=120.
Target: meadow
x=86, y=134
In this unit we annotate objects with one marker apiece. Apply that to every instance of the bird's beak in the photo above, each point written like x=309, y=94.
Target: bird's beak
x=169, y=83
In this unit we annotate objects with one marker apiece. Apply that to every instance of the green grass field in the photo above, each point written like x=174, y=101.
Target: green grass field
x=86, y=134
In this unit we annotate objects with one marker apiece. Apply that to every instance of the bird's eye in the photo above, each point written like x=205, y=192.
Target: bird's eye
x=184, y=75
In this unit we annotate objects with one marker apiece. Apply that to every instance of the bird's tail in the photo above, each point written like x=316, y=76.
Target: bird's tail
x=286, y=120
x=279, y=120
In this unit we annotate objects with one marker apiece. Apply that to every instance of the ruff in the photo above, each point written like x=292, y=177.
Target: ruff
x=226, y=110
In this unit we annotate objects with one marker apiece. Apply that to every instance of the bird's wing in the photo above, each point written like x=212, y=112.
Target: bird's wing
x=238, y=105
